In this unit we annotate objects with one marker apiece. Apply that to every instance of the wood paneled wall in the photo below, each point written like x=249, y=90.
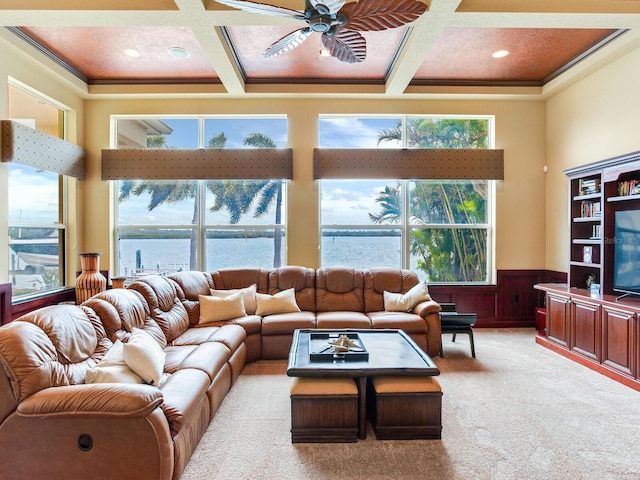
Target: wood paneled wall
x=5, y=303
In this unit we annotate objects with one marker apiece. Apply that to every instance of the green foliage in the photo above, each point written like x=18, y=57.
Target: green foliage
x=444, y=254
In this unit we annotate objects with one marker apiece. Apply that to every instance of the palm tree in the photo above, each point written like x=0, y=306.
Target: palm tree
x=238, y=196
x=444, y=254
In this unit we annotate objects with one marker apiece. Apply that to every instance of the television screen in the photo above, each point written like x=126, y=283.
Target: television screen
x=626, y=255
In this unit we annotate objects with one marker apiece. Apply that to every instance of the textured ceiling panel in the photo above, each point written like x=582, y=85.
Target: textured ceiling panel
x=98, y=52
x=534, y=54
x=305, y=62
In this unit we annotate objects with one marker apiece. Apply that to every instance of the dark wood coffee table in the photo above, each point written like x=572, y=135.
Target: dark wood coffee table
x=391, y=352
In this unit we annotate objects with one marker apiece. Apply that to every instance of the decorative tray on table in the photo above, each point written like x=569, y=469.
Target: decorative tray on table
x=330, y=346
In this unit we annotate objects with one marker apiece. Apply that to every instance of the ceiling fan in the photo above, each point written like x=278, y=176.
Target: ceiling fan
x=338, y=22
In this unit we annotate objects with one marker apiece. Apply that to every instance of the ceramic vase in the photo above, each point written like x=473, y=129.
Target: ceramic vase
x=90, y=281
x=118, y=282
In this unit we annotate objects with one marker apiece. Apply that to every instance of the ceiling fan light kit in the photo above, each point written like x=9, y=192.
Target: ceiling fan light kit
x=338, y=22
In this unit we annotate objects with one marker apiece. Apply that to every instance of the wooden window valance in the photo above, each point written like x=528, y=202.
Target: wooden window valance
x=186, y=164
x=27, y=146
x=474, y=164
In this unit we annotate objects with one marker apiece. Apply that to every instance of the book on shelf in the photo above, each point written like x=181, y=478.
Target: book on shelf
x=596, y=231
x=588, y=186
x=628, y=187
x=590, y=209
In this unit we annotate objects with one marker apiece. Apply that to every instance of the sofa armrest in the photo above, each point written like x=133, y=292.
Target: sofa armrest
x=425, y=308
x=103, y=399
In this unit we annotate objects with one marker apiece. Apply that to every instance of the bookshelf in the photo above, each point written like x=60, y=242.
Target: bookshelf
x=586, y=231
x=596, y=192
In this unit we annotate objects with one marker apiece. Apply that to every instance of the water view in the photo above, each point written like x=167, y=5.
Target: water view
x=171, y=255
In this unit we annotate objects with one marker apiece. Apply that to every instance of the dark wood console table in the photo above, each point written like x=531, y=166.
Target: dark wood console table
x=598, y=331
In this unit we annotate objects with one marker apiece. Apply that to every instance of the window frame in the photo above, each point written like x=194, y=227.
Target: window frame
x=405, y=225
x=60, y=226
x=203, y=223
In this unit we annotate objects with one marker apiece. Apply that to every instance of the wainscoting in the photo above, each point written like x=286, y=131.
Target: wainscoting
x=511, y=302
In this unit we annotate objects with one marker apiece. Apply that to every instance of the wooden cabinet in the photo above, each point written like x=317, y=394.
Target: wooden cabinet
x=619, y=340
x=598, y=331
x=558, y=319
x=585, y=328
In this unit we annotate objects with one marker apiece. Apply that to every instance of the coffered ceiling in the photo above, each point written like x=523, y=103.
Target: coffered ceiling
x=202, y=46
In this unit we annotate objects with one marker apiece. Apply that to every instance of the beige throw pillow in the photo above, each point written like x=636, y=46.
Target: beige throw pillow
x=281, y=302
x=397, y=302
x=223, y=309
x=248, y=296
x=144, y=356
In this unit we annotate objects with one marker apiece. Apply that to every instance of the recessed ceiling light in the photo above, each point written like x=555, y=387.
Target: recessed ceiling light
x=178, y=52
x=130, y=52
x=500, y=53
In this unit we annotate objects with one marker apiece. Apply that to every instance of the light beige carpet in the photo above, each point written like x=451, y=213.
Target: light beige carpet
x=517, y=411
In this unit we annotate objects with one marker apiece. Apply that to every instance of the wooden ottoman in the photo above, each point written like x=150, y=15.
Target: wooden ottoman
x=324, y=410
x=405, y=408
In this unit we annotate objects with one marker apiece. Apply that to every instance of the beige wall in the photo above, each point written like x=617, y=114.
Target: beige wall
x=595, y=119
x=16, y=65
x=520, y=131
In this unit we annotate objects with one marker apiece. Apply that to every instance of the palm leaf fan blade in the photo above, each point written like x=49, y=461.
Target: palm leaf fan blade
x=346, y=45
x=288, y=42
x=262, y=8
x=371, y=15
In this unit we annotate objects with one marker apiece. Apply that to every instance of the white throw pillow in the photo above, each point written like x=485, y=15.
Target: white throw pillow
x=248, y=296
x=144, y=356
x=112, y=368
x=215, y=309
x=397, y=302
x=281, y=302
x=112, y=374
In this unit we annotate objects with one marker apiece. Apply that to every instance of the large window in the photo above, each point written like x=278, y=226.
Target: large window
x=442, y=229
x=171, y=225
x=35, y=206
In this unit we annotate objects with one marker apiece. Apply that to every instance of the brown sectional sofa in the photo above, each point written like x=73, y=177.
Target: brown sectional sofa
x=54, y=425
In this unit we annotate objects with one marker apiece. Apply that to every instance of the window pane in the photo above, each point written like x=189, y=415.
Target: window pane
x=354, y=132
x=245, y=202
x=156, y=202
x=360, y=202
x=425, y=132
x=245, y=132
x=144, y=251
x=361, y=248
x=448, y=202
x=34, y=259
x=261, y=248
x=24, y=206
x=157, y=133
x=450, y=255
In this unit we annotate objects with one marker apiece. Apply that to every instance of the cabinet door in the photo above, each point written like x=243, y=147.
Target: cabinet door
x=618, y=340
x=585, y=329
x=558, y=319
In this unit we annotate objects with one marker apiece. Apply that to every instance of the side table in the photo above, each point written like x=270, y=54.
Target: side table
x=454, y=322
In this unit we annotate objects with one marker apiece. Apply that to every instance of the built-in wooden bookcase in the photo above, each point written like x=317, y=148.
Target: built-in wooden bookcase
x=586, y=230
x=596, y=192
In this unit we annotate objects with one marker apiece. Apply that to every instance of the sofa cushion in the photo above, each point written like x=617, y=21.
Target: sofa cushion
x=381, y=279
x=248, y=297
x=301, y=279
x=397, y=302
x=342, y=319
x=190, y=285
x=339, y=289
x=281, y=302
x=221, y=309
x=144, y=356
x=112, y=374
x=164, y=305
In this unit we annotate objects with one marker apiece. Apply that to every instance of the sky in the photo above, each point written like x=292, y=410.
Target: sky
x=342, y=202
